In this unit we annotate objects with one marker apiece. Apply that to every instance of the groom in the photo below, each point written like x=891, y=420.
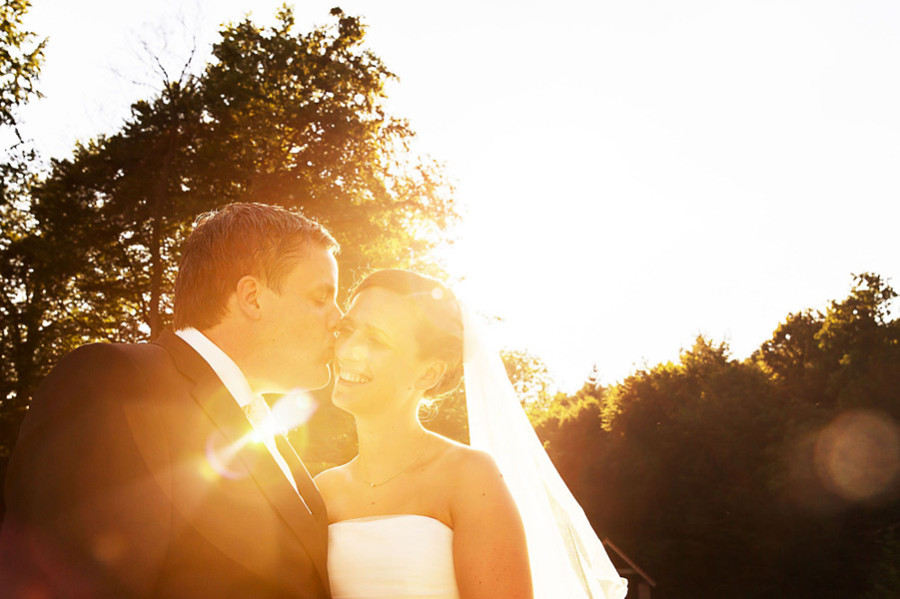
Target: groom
x=137, y=472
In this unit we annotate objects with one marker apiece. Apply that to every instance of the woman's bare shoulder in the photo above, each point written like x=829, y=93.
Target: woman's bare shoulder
x=465, y=465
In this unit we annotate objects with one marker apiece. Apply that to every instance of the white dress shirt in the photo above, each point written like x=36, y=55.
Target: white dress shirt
x=236, y=383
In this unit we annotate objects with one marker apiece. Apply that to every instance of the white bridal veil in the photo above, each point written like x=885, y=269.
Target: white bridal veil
x=567, y=558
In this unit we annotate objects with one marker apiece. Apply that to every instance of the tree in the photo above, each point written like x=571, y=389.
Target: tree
x=529, y=377
x=861, y=345
x=20, y=62
x=838, y=359
x=571, y=428
x=20, y=59
x=299, y=120
x=672, y=464
x=279, y=117
x=794, y=360
x=708, y=470
x=295, y=119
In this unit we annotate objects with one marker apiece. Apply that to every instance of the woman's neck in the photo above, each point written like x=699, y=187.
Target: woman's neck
x=387, y=442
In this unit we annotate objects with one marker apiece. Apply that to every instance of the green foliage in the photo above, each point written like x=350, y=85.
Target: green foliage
x=709, y=471
x=529, y=377
x=23, y=289
x=839, y=359
x=20, y=59
x=278, y=117
x=298, y=120
x=861, y=346
x=570, y=428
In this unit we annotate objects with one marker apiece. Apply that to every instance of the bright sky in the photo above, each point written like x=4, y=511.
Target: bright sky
x=634, y=172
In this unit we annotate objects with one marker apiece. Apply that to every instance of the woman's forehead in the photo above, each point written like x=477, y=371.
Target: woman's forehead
x=377, y=305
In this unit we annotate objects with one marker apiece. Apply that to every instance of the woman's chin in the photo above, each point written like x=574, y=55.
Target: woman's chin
x=344, y=397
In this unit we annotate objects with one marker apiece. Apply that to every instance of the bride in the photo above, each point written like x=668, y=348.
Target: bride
x=415, y=514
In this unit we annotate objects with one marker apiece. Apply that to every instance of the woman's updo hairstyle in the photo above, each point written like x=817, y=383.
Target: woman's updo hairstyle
x=436, y=311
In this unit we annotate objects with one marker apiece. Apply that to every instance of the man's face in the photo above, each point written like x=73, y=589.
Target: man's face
x=297, y=325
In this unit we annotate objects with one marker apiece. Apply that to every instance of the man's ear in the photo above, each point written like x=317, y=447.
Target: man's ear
x=432, y=375
x=247, y=295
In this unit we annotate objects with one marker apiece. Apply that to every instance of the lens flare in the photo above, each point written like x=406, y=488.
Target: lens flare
x=220, y=456
x=292, y=410
x=857, y=456
x=289, y=412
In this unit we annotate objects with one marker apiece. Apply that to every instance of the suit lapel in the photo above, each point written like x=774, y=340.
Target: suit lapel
x=304, y=515
x=303, y=479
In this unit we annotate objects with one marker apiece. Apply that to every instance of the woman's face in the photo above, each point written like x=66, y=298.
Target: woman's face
x=376, y=355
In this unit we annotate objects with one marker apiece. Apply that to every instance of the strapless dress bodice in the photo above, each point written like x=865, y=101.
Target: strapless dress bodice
x=404, y=556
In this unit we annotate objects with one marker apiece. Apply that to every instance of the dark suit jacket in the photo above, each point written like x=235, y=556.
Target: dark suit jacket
x=133, y=477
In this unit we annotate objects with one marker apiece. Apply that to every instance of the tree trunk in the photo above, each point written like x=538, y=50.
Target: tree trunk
x=158, y=202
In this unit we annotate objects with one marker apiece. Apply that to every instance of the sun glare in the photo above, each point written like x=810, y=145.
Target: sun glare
x=288, y=413
x=522, y=282
x=220, y=457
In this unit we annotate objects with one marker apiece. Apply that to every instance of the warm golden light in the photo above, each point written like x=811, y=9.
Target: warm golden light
x=221, y=457
x=290, y=411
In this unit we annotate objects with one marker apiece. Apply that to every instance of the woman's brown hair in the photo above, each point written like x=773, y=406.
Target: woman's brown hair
x=437, y=314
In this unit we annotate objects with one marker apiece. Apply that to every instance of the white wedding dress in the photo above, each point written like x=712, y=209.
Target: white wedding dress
x=398, y=556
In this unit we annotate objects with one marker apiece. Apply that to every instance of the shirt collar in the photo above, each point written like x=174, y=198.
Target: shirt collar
x=224, y=367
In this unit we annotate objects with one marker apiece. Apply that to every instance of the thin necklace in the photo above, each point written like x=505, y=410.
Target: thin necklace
x=396, y=474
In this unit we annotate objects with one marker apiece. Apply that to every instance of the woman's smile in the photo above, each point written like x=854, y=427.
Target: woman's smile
x=352, y=377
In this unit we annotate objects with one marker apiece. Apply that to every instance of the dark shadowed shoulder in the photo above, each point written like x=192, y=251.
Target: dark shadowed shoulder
x=111, y=358
x=76, y=471
x=99, y=369
x=88, y=384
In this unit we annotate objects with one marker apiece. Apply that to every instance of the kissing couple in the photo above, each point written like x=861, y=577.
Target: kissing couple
x=152, y=469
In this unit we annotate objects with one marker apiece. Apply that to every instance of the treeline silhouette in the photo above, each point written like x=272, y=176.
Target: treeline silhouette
x=774, y=476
